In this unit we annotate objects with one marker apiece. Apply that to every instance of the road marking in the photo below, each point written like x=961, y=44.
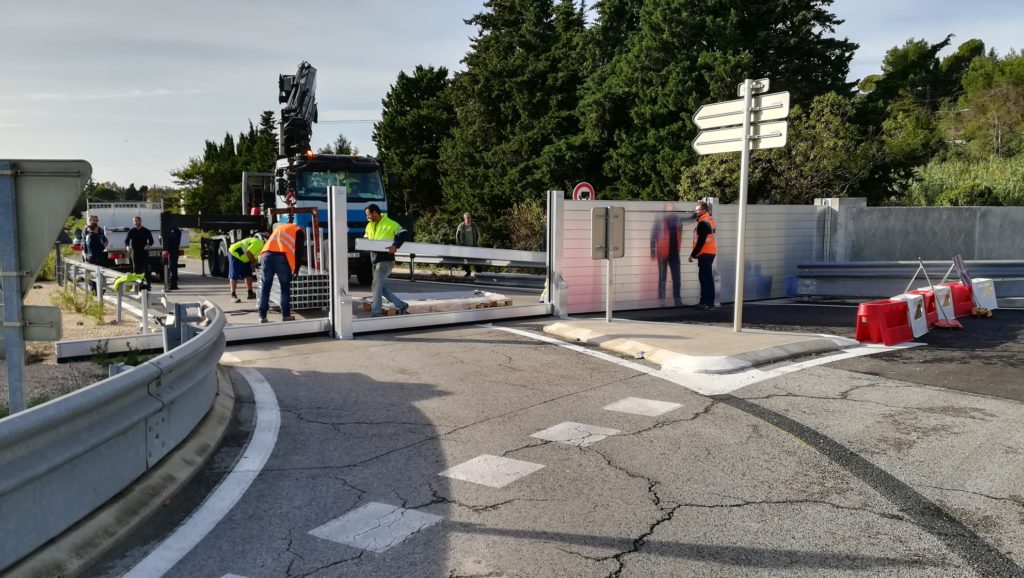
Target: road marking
x=493, y=471
x=575, y=434
x=707, y=383
x=228, y=491
x=375, y=526
x=641, y=406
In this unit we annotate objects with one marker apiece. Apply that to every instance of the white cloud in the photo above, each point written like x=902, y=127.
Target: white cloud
x=132, y=93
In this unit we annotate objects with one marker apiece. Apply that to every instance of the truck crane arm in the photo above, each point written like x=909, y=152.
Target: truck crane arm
x=297, y=94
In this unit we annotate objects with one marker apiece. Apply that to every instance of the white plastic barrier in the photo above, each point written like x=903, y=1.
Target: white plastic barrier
x=985, y=293
x=943, y=302
x=915, y=312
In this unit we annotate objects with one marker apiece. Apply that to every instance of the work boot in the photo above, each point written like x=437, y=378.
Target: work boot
x=235, y=299
x=251, y=296
x=263, y=319
x=288, y=318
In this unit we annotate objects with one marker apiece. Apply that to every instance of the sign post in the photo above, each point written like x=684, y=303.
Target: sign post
x=749, y=123
x=46, y=190
x=608, y=241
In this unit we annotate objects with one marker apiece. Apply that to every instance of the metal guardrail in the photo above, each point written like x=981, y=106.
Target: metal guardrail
x=886, y=278
x=61, y=460
x=100, y=281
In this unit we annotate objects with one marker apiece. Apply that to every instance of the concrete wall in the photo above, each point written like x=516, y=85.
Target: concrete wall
x=931, y=233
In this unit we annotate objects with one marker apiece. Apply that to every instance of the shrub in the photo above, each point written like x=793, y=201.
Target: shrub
x=83, y=303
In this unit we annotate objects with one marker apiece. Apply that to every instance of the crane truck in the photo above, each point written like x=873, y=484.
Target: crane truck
x=302, y=177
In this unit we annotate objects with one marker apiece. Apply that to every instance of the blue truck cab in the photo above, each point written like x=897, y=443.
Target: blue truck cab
x=313, y=174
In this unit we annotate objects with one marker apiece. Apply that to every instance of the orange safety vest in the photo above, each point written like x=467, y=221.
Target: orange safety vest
x=282, y=240
x=710, y=247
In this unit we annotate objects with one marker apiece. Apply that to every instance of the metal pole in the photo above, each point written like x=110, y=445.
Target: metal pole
x=737, y=322
x=145, y=312
x=609, y=298
x=117, y=308
x=99, y=284
x=10, y=281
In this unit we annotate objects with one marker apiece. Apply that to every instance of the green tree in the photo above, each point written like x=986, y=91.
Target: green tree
x=508, y=105
x=689, y=52
x=417, y=116
x=340, y=146
x=827, y=156
x=991, y=113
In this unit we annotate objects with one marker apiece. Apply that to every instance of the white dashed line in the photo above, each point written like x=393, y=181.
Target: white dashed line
x=228, y=492
x=575, y=434
x=375, y=526
x=493, y=471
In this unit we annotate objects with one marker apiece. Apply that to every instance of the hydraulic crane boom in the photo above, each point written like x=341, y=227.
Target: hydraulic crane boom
x=297, y=94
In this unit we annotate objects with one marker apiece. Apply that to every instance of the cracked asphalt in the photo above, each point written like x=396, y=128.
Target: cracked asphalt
x=873, y=466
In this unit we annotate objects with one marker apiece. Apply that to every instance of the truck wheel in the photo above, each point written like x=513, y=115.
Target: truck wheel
x=364, y=275
x=156, y=267
x=222, y=258
x=210, y=252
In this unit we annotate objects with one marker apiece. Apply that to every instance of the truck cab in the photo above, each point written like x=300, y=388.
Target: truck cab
x=313, y=174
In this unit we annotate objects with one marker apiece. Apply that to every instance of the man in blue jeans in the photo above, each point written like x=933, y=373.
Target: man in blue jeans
x=280, y=258
x=380, y=227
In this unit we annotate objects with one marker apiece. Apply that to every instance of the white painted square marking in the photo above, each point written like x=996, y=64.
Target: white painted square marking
x=641, y=406
x=493, y=471
x=575, y=434
x=375, y=526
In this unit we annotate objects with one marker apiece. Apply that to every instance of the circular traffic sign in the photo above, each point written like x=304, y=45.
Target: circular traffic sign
x=583, y=192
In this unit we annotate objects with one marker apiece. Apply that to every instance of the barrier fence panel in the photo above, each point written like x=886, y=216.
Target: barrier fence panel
x=63, y=459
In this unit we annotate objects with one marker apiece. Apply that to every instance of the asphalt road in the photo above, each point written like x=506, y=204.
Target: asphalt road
x=860, y=467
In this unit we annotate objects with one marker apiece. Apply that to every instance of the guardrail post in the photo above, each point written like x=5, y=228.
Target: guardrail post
x=117, y=307
x=412, y=267
x=74, y=278
x=99, y=284
x=145, y=312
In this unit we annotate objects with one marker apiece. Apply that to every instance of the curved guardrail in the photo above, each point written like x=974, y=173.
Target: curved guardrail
x=63, y=459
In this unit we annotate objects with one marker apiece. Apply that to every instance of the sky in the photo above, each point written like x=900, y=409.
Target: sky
x=135, y=87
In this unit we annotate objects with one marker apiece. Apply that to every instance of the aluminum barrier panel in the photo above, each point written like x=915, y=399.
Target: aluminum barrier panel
x=61, y=460
x=778, y=238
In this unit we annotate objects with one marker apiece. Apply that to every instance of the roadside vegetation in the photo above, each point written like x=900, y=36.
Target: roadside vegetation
x=551, y=95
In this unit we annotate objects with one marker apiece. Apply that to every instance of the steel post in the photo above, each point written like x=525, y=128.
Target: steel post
x=10, y=281
x=737, y=322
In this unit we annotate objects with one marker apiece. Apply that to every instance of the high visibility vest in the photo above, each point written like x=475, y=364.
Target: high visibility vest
x=252, y=245
x=383, y=230
x=282, y=240
x=710, y=247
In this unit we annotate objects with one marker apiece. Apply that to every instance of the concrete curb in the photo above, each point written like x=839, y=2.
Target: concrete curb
x=674, y=360
x=86, y=542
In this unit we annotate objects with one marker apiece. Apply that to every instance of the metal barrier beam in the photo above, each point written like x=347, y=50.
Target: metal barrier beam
x=64, y=458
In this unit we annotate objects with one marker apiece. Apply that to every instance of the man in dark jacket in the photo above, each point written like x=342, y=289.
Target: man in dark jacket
x=172, y=244
x=138, y=242
x=95, y=242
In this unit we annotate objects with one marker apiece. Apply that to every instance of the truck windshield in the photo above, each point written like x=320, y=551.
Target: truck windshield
x=362, y=187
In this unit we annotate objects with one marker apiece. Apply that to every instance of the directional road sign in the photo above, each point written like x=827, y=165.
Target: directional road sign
x=46, y=191
x=762, y=108
x=769, y=135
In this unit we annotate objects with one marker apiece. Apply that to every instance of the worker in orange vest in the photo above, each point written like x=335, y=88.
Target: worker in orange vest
x=704, y=250
x=280, y=258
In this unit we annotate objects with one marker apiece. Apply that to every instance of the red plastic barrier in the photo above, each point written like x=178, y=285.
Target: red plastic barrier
x=931, y=312
x=962, y=301
x=883, y=322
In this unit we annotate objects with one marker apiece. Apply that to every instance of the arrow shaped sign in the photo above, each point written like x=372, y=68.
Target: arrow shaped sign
x=769, y=135
x=762, y=108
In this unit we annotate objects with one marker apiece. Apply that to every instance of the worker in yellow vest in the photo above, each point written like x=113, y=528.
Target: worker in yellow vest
x=704, y=250
x=241, y=258
x=380, y=227
x=280, y=258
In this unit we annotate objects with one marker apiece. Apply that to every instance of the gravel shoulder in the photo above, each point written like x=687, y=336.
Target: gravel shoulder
x=46, y=379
